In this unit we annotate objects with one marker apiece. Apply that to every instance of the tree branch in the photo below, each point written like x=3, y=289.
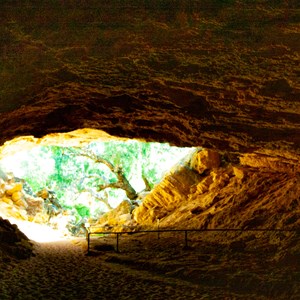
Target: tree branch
x=122, y=182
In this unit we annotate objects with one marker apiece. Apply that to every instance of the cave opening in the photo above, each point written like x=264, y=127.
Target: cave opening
x=68, y=188
x=223, y=75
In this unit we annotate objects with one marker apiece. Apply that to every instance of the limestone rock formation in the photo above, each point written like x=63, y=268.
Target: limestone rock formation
x=220, y=75
x=228, y=196
x=118, y=219
x=14, y=244
x=16, y=203
x=205, y=160
x=223, y=76
x=166, y=197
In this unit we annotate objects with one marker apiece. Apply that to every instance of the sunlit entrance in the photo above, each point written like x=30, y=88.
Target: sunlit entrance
x=52, y=192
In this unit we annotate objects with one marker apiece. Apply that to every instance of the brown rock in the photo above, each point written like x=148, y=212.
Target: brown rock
x=205, y=160
x=13, y=243
x=234, y=90
x=118, y=216
x=35, y=205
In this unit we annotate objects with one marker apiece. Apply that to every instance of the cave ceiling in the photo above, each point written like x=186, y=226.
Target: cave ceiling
x=222, y=77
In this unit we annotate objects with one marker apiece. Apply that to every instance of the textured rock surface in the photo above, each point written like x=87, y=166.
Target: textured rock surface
x=223, y=77
x=14, y=243
x=201, y=74
x=16, y=203
x=205, y=160
x=225, y=197
x=119, y=218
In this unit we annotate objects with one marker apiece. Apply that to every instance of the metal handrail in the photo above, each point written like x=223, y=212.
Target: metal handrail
x=158, y=231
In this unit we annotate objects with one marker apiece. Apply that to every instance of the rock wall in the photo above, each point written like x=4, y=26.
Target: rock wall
x=13, y=243
x=222, y=76
x=223, y=196
x=16, y=203
x=118, y=219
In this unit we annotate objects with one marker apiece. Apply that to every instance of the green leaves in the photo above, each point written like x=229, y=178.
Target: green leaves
x=82, y=210
x=101, y=170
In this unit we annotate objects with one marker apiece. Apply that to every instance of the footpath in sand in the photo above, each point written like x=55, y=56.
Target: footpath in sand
x=147, y=268
x=61, y=270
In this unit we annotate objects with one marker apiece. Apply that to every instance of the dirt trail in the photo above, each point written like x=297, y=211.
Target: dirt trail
x=61, y=270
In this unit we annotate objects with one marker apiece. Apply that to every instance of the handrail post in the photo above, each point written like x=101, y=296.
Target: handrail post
x=87, y=227
x=117, y=242
x=186, y=238
x=88, y=237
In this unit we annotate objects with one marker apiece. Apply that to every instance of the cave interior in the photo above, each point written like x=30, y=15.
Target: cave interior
x=222, y=76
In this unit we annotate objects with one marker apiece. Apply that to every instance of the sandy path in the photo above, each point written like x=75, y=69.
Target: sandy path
x=61, y=270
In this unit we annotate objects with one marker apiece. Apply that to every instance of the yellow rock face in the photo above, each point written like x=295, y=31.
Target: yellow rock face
x=16, y=196
x=284, y=164
x=121, y=215
x=16, y=188
x=43, y=194
x=205, y=160
x=166, y=196
x=237, y=196
x=7, y=200
x=239, y=172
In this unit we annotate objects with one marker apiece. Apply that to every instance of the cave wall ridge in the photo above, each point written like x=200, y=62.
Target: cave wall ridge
x=223, y=196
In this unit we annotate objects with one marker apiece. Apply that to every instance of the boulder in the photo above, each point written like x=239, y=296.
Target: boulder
x=118, y=216
x=11, y=189
x=205, y=160
x=35, y=205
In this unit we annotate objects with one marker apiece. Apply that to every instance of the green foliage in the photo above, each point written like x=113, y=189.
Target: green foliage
x=82, y=210
x=75, y=178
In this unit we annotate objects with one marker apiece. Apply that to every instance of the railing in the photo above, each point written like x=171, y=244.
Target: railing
x=186, y=231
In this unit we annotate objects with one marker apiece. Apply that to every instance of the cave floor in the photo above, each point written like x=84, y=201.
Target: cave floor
x=252, y=267
x=150, y=268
